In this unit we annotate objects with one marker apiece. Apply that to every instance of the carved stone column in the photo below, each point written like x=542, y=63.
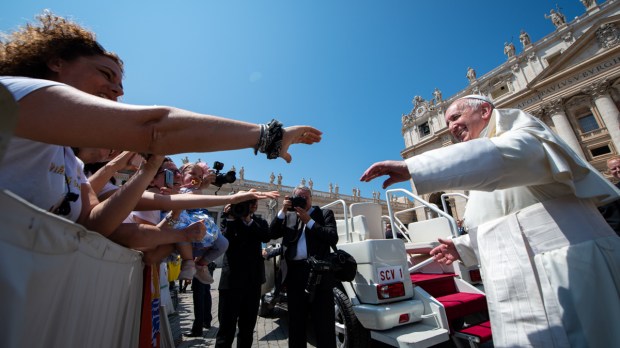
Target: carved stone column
x=555, y=109
x=607, y=108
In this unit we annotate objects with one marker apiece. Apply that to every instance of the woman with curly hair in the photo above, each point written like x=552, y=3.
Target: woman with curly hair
x=60, y=75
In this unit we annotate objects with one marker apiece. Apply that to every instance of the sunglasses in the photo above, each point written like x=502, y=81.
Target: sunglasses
x=65, y=207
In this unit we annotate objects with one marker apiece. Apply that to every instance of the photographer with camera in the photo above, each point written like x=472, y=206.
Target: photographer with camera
x=243, y=272
x=307, y=231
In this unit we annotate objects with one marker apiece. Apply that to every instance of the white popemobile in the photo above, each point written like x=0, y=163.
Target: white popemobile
x=400, y=296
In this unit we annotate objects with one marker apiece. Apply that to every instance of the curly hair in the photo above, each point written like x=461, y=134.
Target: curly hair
x=27, y=51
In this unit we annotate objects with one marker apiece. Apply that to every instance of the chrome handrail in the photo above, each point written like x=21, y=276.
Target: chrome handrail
x=346, y=218
x=433, y=207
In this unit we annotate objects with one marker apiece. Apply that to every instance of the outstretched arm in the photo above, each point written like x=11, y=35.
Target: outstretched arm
x=141, y=236
x=91, y=121
x=155, y=201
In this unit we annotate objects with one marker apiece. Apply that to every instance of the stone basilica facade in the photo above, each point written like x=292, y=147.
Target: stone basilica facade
x=570, y=79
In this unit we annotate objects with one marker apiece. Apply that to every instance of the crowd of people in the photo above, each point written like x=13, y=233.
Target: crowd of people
x=59, y=74
x=531, y=221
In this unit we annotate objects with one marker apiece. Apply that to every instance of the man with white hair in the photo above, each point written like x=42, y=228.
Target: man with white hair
x=550, y=262
x=611, y=211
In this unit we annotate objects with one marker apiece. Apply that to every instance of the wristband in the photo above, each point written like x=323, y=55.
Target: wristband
x=270, y=142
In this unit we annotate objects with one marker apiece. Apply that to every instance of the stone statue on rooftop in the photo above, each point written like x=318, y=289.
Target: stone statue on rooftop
x=524, y=38
x=471, y=74
x=557, y=18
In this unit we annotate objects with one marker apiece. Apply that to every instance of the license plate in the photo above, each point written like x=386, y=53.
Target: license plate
x=389, y=274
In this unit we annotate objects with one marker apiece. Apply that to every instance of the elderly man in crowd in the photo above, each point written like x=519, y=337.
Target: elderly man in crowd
x=611, y=211
x=307, y=231
x=550, y=262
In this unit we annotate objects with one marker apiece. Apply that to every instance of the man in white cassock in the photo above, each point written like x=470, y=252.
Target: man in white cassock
x=550, y=262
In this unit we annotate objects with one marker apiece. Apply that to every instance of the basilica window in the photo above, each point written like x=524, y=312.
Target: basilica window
x=424, y=129
x=588, y=123
x=599, y=151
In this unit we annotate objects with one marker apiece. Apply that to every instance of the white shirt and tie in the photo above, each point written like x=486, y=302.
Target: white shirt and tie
x=302, y=249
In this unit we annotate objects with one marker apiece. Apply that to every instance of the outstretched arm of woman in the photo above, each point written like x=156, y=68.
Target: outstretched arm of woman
x=89, y=121
x=155, y=201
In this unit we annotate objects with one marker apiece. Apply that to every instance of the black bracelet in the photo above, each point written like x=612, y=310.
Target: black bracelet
x=270, y=142
x=274, y=135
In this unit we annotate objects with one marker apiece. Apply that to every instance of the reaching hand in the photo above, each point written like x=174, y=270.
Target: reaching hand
x=298, y=135
x=243, y=196
x=396, y=170
x=126, y=160
x=446, y=252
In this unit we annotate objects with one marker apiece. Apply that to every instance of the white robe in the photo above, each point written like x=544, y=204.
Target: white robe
x=550, y=262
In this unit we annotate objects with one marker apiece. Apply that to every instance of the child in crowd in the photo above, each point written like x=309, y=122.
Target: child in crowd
x=167, y=181
x=194, y=178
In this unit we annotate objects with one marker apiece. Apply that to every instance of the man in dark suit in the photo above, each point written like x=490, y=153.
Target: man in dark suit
x=306, y=231
x=243, y=272
x=611, y=211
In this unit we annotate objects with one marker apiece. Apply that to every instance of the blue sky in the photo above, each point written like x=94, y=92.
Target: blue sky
x=349, y=68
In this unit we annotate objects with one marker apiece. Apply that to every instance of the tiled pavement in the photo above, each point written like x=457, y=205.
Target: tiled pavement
x=269, y=332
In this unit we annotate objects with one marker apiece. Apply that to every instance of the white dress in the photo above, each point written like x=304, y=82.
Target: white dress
x=550, y=262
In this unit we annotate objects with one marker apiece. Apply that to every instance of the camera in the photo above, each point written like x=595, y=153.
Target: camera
x=241, y=210
x=221, y=179
x=297, y=201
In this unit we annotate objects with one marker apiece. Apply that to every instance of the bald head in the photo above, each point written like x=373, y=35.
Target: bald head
x=613, y=165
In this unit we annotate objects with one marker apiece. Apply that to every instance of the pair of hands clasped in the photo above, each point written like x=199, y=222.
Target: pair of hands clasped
x=397, y=171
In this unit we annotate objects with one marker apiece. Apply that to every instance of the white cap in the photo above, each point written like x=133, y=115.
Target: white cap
x=479, y=97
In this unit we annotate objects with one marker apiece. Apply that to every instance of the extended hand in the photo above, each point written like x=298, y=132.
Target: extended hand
x=126, y=160
x=446, y=252
x=396, y=170
x=243, y=196
x=298, y=135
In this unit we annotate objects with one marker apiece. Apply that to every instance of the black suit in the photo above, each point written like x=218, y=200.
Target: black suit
x=611, y=213
x=243, y=272
x=318, y=240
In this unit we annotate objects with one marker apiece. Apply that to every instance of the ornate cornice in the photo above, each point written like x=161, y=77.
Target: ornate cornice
x=608, y=35
x=555, y=106
x=538, y=112
x=597, y=89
